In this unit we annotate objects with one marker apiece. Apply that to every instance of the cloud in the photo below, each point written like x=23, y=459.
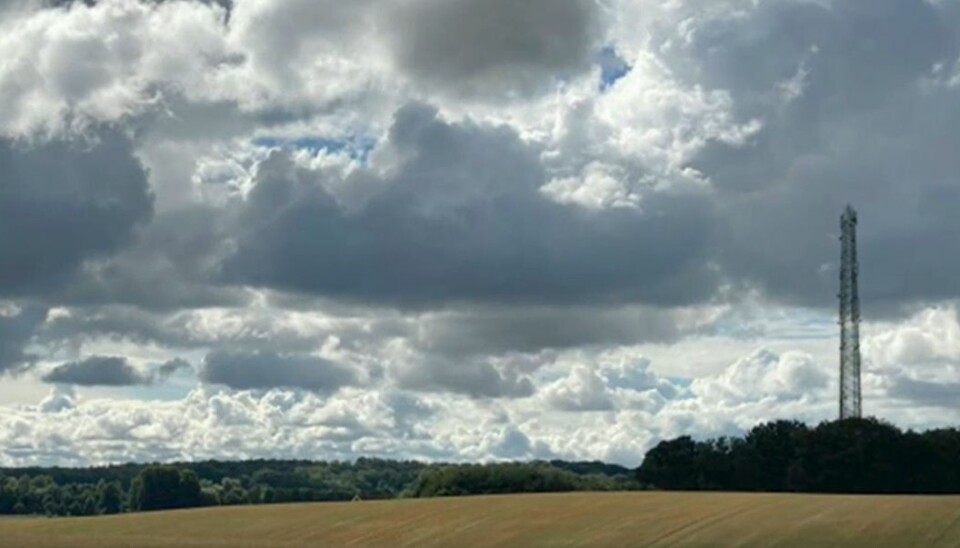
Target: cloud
x=64, y=75
x=764, y=374
x=167, y=369
x=386, y=422
x=279, y=36
x=97, y=371
x=170, y=264
x=927, y=339
x=500, y=330
x=61, y=398
x=265, y=370
x=582, y=390
x=514, y=204
x=477, y=378
x=18, y=325
x=494, y=48
x=513, y=444
x=65, y=430
x=461, y=219
x=598, y=383
x=926, y=393
x=62, y=203
x=915, y=361
x=853, y=70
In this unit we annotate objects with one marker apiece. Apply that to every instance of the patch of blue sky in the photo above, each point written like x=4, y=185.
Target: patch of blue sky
x=778, y=324
x=807, y=324
x=358, y=148
x=681, y=385
x=612, y=67
x=680, y=382
x=169, y=390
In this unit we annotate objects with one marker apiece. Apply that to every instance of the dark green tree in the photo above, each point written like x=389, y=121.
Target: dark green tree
x=165, y=488
x=110, y=497
x=769, y=452
x=90, y=505
x=671, y=464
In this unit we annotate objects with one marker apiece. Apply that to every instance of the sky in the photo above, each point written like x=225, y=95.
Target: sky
x=466, y=230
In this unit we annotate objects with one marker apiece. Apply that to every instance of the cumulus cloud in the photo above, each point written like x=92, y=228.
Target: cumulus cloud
x=494, y=48
x=265, y=370
x=90, y=63
x=97, y=371
x=61, y=398
x=764, y=374
x=855, y=71
x=280, y=37
x=170, y=264
x=360, y=421
x=208, y=424
x=582, y=390
x=916, y=361
x=936, y=394
x=63, y=202
x=477, y=377
x=611, y=385
x=172, y=367
x=930, y=337
x=18, y=325
x=501, y=330
x=461, y=219
x=398, y=424
x=248, y=329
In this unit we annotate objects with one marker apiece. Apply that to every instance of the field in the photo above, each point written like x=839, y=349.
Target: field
x=627, y=519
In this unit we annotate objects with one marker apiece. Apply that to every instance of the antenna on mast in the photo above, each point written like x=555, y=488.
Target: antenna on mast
x=850, y=401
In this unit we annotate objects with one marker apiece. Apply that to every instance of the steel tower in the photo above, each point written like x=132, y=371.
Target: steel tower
x=849, y=318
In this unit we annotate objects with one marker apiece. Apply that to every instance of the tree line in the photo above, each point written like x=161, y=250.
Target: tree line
x=848, y=456
x=132, y=488
x=516, y=477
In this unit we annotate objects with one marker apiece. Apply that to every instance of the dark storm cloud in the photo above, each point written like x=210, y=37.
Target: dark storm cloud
x=77, y=226
x=171, y=264
x=532, y=329
x=855, y=54
x=935, y=394
x=265, y=370
x=62, y=203
x=226, y=4
x=495, y=47
x=462, y=219
x=476, y=378
x=97, y=371
x=171, y=367
x=67, y=3
x=408, y=412
x=178, y=329
x=17, y=328
x=120, y=322
x=854, y=110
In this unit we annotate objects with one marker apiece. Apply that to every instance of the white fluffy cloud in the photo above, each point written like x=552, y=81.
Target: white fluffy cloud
x=763, y=375
x=586, y=406
x=930, y=337
x=72, y=66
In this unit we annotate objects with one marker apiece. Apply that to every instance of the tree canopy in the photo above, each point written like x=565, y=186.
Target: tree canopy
x=138, y=487
x=849, y=456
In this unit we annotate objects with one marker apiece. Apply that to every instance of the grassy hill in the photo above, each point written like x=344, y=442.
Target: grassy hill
x=577, y=519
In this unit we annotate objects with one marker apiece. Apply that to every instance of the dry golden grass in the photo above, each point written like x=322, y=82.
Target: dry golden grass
x=584, y=519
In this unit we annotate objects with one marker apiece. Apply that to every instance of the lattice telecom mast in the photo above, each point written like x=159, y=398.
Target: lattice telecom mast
x=849, y=318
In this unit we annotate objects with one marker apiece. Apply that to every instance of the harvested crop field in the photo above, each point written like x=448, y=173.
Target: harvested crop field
x=581, y=519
